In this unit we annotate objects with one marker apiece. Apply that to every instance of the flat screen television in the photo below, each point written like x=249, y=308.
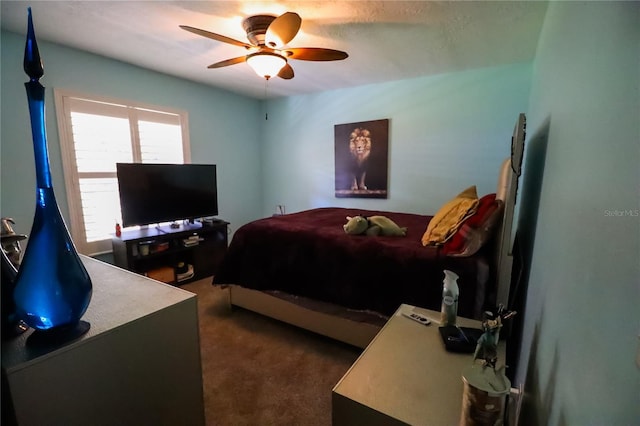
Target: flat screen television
x=156, y=193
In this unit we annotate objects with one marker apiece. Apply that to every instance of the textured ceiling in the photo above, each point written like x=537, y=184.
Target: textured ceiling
x=386, y=40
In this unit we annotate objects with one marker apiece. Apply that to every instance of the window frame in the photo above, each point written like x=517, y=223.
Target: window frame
x=64, y=101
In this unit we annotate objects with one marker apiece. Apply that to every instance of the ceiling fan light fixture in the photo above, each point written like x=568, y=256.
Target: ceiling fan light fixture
x=268, y=37
x=266, y=64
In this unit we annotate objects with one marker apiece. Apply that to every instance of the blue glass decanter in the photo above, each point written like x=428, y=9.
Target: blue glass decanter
x=53, y=288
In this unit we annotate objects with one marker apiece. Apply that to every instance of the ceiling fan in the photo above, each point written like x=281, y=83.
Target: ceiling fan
x=268, y=36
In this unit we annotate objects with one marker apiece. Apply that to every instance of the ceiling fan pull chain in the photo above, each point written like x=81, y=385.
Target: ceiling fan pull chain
x=266, y=102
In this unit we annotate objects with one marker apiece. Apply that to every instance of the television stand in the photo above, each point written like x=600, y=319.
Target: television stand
x=210, y=221
x=164, y=252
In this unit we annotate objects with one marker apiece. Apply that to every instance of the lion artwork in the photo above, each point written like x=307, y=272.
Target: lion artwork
x=360, y=148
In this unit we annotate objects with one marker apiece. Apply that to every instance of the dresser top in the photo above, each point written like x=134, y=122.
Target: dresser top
x=119, y=297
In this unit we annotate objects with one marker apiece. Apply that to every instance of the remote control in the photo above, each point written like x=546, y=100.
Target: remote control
x=417, y=317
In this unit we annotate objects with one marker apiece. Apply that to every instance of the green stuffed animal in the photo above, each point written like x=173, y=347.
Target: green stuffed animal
x=373, y=225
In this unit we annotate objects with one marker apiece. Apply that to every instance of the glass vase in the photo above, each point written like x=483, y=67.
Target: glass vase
x=53, y=289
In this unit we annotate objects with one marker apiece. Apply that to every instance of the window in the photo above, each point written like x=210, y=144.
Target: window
x=95, y=134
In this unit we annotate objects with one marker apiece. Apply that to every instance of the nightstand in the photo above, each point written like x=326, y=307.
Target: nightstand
x=405, y=376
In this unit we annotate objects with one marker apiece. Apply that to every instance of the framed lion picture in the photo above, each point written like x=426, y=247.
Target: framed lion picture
x=362, y=157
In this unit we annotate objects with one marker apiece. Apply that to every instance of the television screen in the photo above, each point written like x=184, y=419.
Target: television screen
x=156, y=193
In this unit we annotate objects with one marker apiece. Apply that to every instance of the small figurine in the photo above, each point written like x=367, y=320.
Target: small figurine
x=487, y=345
x=11, y=241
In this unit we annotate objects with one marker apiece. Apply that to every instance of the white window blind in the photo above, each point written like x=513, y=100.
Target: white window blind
x=95, y=134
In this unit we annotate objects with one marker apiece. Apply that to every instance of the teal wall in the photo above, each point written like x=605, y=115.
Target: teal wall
x=446, y=132
x=450, y=131
x=582, y=313
x=582, y=99
x=224, y=127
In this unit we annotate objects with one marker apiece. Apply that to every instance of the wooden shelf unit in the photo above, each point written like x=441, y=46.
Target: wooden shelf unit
x=157, y=251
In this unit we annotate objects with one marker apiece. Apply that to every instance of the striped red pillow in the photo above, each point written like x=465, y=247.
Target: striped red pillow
x=475, y=230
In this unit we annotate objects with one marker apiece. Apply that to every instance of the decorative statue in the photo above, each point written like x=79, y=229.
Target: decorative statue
x=487, y=346
x=11, y=253
x=11, y=241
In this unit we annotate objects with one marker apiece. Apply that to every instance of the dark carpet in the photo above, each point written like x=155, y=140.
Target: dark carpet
x=259, y=371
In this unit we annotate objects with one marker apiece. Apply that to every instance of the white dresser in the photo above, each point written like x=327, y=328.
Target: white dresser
x=139, y=363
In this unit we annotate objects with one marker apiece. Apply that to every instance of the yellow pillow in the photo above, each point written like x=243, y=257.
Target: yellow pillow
x=450, y=216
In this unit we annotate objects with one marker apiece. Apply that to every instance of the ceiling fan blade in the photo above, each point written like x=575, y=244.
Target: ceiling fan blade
x=315, y=54
x=228, y=62
x=215, y=36
x=286, y=72
x=283, y=29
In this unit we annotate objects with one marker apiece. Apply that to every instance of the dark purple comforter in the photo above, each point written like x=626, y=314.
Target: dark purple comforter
x=308, y=254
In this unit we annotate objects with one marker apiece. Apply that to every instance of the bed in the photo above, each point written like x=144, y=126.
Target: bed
x=302, y=268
